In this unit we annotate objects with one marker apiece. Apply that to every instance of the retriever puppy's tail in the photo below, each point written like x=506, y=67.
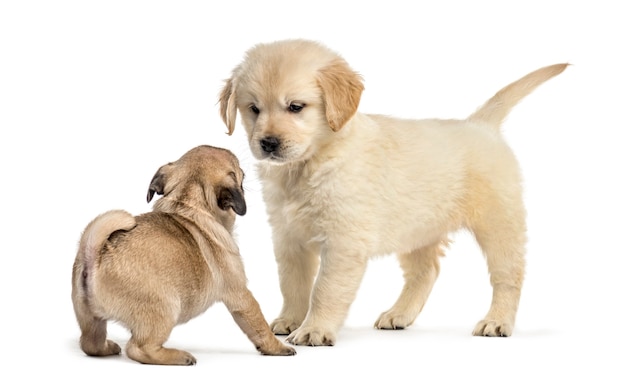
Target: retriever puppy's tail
x=92, y=241
x=495, y=110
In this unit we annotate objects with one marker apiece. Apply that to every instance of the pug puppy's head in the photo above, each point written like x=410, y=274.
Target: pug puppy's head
x=207, y=178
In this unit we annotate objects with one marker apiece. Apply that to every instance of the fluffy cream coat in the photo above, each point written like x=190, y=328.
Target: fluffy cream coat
x=342, y=186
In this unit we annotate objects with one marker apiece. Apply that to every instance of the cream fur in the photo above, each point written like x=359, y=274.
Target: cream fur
x=342, y=186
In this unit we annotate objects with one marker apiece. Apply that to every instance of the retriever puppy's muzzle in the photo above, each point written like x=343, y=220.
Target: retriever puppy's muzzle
x=270, y=145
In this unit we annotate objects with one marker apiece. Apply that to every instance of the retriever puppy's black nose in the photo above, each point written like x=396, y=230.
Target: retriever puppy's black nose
x=270, y=144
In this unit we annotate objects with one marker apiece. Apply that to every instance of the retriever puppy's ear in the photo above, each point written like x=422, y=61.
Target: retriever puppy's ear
x=231, y=198
x=228, y=105
x=341, y=89
x=159, y=181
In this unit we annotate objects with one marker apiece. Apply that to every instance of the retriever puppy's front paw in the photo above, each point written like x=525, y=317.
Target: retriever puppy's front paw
x=393, y=321
x=310, y=336
x=493, y=328
x=282, y=326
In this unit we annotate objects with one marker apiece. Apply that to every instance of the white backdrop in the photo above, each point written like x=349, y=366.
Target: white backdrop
x=95, y=96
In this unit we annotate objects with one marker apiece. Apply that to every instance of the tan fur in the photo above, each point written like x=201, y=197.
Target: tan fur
x=342, y=186
x=154, y=271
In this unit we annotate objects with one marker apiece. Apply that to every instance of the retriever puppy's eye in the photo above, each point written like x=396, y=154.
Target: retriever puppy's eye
x=254, y=109
x=296, y=108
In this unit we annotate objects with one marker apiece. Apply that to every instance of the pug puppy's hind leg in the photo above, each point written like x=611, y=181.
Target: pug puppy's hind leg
x=146, y=345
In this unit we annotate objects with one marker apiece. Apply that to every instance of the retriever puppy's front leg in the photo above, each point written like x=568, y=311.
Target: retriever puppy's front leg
x=297, y=267
x=334, y=291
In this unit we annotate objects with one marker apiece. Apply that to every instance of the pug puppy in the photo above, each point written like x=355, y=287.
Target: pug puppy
x=156, y=270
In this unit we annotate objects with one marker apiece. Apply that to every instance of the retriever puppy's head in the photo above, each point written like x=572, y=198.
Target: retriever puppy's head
x=292, y=96
x=205, y=178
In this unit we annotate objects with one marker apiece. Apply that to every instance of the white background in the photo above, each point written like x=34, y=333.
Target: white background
x=95, y=96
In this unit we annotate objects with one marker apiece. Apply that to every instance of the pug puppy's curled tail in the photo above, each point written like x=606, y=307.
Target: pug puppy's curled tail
x=92, y=241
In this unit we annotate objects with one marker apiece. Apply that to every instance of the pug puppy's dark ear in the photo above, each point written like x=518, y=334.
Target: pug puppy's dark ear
x=231, y=198
x=159, y=180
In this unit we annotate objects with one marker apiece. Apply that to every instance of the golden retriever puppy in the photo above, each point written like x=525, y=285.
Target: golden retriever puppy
x=162, y=268
x=342, y=186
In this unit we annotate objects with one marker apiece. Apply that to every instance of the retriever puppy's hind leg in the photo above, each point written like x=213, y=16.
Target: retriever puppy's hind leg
x=421, y=269
x=502, y=237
